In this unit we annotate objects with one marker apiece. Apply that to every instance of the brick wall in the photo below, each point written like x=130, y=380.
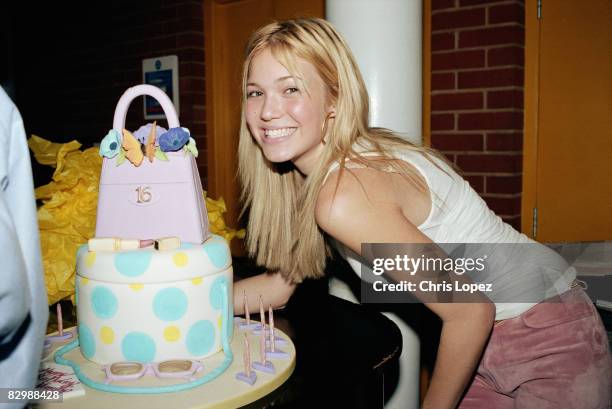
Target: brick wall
x=72, y=64
x=477, y=65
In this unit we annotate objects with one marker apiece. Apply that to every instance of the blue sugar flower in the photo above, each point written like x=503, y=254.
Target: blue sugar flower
x=174, y=139
x=111, y=144
x=142, y=134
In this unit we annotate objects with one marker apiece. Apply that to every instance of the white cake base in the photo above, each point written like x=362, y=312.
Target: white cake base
x=223, y=392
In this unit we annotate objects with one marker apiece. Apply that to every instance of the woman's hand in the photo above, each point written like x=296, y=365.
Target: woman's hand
x=272, y=287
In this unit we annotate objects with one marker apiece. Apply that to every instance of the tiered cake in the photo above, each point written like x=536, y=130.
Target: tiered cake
x=148, y=305
x=154, y=286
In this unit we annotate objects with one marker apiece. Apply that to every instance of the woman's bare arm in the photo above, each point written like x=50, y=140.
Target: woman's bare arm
x=363, y=210
x=272, y=287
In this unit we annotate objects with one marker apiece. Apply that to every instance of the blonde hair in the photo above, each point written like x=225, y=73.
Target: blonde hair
x=282, y=233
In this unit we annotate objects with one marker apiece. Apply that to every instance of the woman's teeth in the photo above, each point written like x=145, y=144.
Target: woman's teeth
x=278, y=133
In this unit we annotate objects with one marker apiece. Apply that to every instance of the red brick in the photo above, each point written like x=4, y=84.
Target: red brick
x=490, y=120
x=512, y=98
x=506, y=13
x=500, y=77
x=191, y=54
x=442, y=122
x=442, y=4
x=191, y=69
x=197, y=128
x=189, y=9
x=504, y=184
x=504, y=141
x=489, y=163
x=492, y=36
x=190, y=98
x=513, y=55
x=443, y=81
x=466, y=100
x=186, y=40
x=458, y=59
x=198, y=112
x=514, y=221
x=164, y=43
x=191, y=83
x=442, y=41
x=475, y=2
x=185, y=24
x=457, y=142
x=504, y=205
x=458, y=19
x=476, y=182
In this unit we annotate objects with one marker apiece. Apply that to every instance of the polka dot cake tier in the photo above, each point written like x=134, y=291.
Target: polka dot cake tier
x=148, y=305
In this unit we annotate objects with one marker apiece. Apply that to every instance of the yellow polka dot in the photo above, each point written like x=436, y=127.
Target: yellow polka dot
x=84, y=281
x=180, y=259
x=90, y=258
x=219, y=322
x=196, y=281
x=172, y=333
x=136, y=286
x=107, y=335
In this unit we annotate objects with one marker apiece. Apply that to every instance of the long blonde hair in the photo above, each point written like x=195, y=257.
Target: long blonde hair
x=282, y=233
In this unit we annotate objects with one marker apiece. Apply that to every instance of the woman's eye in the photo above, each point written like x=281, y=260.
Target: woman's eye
x=291, y=90
x=254, y=94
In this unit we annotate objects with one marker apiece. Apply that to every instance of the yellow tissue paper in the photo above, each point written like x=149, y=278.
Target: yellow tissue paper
x=67, y=216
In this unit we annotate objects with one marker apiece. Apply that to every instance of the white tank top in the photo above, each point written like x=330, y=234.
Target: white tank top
x=459, y=215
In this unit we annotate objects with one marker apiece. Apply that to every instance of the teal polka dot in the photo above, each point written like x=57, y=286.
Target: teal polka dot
x=82, y=250
x=103, y=302
x=170, y=304
x=218, y=252
x=216, y=292
x=186, y=246
x=200, y=338
x=87, y=341
x=133, y=263
x=230, y=324
x=138, y=346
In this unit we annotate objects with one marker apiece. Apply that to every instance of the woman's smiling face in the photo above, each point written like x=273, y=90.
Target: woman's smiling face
x=285, y=120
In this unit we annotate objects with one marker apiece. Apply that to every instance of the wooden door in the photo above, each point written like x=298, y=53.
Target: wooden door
x=227, y=26
x=567, y=175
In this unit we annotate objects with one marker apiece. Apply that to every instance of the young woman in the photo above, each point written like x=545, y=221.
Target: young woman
x=314, y=173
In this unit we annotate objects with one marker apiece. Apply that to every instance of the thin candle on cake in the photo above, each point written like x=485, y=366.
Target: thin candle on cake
x=248, y=376
x=262, y=318
x=245, y=323
x=264, y=365
x=246, y=309
x=273, y=352
x=273, y=339
x=61, y=334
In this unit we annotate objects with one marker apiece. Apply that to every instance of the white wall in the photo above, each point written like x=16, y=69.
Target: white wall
x=386, y=39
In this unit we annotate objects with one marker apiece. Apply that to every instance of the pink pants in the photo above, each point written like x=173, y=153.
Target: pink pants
x=555, y=355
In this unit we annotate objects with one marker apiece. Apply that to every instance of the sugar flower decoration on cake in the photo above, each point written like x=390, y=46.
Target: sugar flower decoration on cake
x=191, y=147
x=111, y=144
x=174, y=139
x=144, y=132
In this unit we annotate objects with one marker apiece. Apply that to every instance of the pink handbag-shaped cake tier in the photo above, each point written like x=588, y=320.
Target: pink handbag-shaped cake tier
x=156, y=199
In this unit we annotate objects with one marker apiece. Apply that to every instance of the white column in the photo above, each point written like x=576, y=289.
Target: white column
x=385, y=37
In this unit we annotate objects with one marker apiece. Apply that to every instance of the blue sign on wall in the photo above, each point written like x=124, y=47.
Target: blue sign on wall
x=161, y=79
